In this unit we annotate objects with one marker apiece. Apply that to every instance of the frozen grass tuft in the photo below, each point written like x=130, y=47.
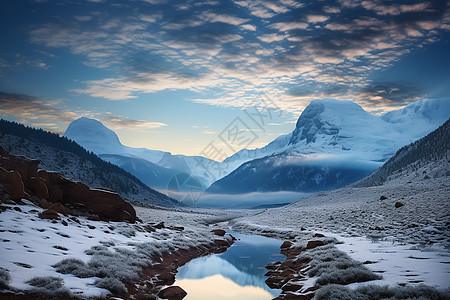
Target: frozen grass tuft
x=48, y=288
x=4, y=279
x=73, y=266
x=117, y=266
x=374, y=292
x=127, y=231
x=114, y=285
x=332, y=266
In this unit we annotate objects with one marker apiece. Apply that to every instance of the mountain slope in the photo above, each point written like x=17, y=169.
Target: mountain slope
x=96, y=137
x=74, y=162
x=431, y=148
x=335, y=143
x=149, y=173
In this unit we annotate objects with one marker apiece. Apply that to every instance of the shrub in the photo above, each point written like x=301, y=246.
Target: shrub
x=114, y=285
x=48, y=288
x=73, y=266
x=336, y=267
x=374, y=292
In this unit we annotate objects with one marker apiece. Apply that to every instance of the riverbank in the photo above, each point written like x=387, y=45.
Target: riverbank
x=79, y=257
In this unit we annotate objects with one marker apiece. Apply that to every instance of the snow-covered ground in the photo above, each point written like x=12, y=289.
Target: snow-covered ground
x=31, y=246
x=408, y=244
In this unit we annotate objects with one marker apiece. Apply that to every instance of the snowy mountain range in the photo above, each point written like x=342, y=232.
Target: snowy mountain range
x=334, y=143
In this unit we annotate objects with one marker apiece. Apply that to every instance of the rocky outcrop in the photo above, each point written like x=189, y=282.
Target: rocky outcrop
x=172, y=293
x=21, y=179
x=288, y=275
x=155, y=278
x=219, y=232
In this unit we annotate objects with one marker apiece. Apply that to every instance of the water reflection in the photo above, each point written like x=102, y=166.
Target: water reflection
x=218, y=287
x=235, y=274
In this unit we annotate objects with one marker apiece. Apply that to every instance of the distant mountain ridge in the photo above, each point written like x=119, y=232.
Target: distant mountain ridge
x=333, y=144
x=327, y=132
x=104, y=142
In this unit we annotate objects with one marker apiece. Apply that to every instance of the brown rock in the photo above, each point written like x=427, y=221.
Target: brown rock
x=314, y=244
x=292, y=286
x=273, y=266
x=43, y=174
x=398, y=204
x=172, y=293
x=56, y=194
x=275, y=282
x=177, y=228
x=43, y=203
x=75, y=220
x=26, y=167
x=49, y=214
x=319, y=235
x=58, y=207
x=166, y=278
x=286, y=245
x=149, y=228
x=221, y=243
x=16, y=186
x=39, y=187
x=94, y=218
x=159, y=225
x=20, y=173
x=219, y=232
x=106, y=204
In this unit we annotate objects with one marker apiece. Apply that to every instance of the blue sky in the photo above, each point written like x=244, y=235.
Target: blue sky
x=172, y=75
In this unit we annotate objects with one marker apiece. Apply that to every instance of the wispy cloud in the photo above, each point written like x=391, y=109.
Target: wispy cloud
x=245, y=47
x=120, y=122
x=32, y=108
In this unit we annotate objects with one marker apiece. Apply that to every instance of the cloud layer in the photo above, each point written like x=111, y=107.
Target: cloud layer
x=228, y=52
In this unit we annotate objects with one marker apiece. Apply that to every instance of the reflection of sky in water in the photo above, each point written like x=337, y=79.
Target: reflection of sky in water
x=239, y=271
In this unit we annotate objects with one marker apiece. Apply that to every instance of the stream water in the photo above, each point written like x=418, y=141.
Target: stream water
x=236, y=274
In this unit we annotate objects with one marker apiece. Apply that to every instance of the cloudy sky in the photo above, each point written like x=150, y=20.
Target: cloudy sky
x=173, y=75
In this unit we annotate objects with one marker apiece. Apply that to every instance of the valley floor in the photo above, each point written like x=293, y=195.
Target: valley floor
x=408, y=244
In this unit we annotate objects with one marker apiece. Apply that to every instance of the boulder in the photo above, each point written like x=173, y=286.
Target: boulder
x=292, y=286
x=219, y=232
x=222, y=243
x=39, y=187
x=172, y=293
x=166, y=278
x=398, y=204
x=275, y=282
x=314, y=244
x=58, y=207
x=160, y=225
x=16, y=186
x=286, y=245
x=49, y=214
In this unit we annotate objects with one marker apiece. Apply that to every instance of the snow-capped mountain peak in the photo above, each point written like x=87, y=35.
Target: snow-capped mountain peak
x=94, y=136
x=326, y=117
